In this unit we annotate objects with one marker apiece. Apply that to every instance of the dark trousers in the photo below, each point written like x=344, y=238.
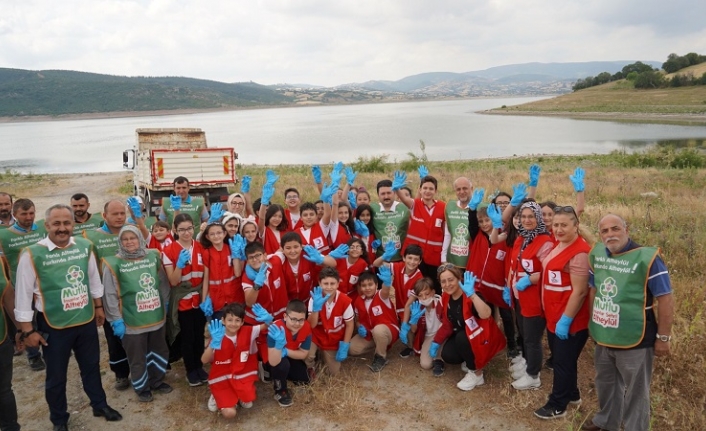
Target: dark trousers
x=508, y=325
x=192, y=324
x=288, y=369
x=117, y=358
x=83, y=340
x=430, y=271
x=457, y=349
x=147, y=355
x=8, y=406
x=531, y=329
x=32, y=352
x=566, y=355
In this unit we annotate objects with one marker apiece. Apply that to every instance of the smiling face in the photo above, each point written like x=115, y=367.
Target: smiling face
x=232, y=323
x=250, y=232
x=428, y=190
x=237, y=205
x=319, y=210
x=362, y=198
x=294, y=321
x=160, y=233
x=329, y=285
x=309, y=218
x=216, y=234
x=386, y=196
x=565, y=228
x=292, y=251
x=411, y=262
x=185, y=230
x=130, y=241
x=449, y=283
x=60, y=226
x=527, y=219
x=355, y=249
x=232, y=227
x=367, y=288
x=485, y=225
x=276, y=219
x=364, y=216
x=343, y=214
x=547, y=215
x=463, y=189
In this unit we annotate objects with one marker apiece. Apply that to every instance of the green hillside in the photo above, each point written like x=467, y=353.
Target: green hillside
x=58, y=92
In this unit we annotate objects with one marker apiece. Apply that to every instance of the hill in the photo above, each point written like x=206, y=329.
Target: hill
x=696, y=71
x=60, y=92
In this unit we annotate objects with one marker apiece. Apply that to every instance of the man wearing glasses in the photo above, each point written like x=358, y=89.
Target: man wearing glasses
x=291, y=212
x=182, y=202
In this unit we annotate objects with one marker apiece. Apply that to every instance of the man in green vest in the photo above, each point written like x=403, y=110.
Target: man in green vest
x=390, y=219
x=25, y=231
x=626, y=278
x=6, y=218
x=8, y=338
x=83, y=219
x=181, y=202
x=61, y=275
x=457, y=235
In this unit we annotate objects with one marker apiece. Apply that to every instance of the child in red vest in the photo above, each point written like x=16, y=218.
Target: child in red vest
x=300, y=275
x=422, y=319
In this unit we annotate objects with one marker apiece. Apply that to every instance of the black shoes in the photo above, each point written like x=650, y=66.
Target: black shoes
x=109, y=413
x=121, y=383
x=62, y=427
x=37, y=363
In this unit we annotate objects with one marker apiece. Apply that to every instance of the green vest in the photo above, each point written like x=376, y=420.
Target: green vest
x=62, y=277
x=137, y=284
x=194, y=209
x=618, y=318
x=104, y=244
x=94, y=222
x=149, y=222
x=391, y=226
x=13, y=241
x=457, y=224
x=4, y=285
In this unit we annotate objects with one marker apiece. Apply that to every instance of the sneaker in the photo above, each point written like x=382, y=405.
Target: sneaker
x=264, y=374
x=513, y=352
x=518, y=358
x=212, y=406
x=527, y=382
x=437, y=367
x=121, y=383
x=378, y=363
x=193, y=378
x=406, y=352
x=549, y=363
x=163, y=388
x=203, y=375
x=518, y=374
x=283, y=398
x=247, y=405
x=145, y=396
x=576, y=402
x=548, y=412
x=470, y=381
x=36, y=363
x=464, y=367
x=518, y=366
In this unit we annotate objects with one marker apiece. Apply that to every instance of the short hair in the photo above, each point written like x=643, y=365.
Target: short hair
x=307, y=206
x=365, y=276
x=8, y=195
x=291, y=189
x=290, y=237
x=408, y=190
x=52, y=208
x=181, y=180
x=254, y=247
x=414, y=250
x=319, y=202
x=429, y=179
x=495, y=198
x=79, y=196
x=296, y=306
x=160, y=223
x=383, y=183
x=482, y=211
x=24, y=204
x=105, y=207
x=454, y=270
x=329, y=272
x=234, y=309
x=422, y=284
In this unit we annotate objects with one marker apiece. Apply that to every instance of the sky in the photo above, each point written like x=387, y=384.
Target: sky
x=332, y=42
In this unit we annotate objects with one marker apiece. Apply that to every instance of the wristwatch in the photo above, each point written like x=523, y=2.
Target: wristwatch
x=27, y=334
x=664, y=338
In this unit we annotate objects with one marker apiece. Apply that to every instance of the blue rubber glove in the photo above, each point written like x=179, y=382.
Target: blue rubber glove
x=476, y=199
x=337, y=174
x=175, y=201
x=385, y=275
x=416, y=311
x=469, y=283
x=261, y=315
x=313, y=255
x=342, y=352
x=350, y=176
x=216, y=213
x=390, y=251
x=245, y=184
x=118, y=328
x=423, y=171
x=519, y=192
x=327, y=193
x=217, y=331
x=316, y=172
x=534, y=171
x=523, y=283
x=361, y=229
x=495, y=216
x=184, y=258
x=404, y=332
x=506, y=296
x=352, y=200
x=250, y=272
x=271, y=177
x=562, y=327
x=434, y=349
x=237, y=247
x=362, y=331
x=376, y=244
x=318, y=299
x=399, y=181
x=577, y=180
x=135, y=206
x=278, y=336
x=261, y=276
x=207, y=307
x=340, y=252
x=268, y=190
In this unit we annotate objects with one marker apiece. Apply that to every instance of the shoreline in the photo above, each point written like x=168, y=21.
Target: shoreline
x=628, y=117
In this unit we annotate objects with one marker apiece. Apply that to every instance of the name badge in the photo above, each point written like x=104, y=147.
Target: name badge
x=277, y=283
x=337, y=321
x=500, y=255
x=471, y=323
x=438, y=222
x=244, y=356
x=528, y=265
x=555, y=278
x=377, y=310
x=318, y=243
x=353, y=279
x=199, y=259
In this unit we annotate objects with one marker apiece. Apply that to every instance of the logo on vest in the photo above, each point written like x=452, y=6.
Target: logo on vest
x=74, y=297
x=605, y=313
x=391, y=235
x=459, y=242
x=148, y=298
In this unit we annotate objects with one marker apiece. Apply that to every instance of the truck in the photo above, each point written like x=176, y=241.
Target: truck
x=161, y=155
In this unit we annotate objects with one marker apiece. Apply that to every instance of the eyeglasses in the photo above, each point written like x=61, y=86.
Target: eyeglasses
x=566, y=209
x=238, y=204
x=444, y=267
x=256, y=256
x=290, y=197
x=185, y=230
x=355, y=247
x=502, y=203
x=297, y=321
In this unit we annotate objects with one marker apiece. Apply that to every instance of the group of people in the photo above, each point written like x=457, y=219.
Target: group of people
x=289, y=291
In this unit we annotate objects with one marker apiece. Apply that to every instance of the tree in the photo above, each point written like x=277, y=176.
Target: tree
x=649, y=80
x=638, y=67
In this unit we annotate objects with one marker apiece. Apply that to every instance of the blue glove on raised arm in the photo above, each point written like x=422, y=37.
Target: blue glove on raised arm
x=352, y=200
x=175, y=201
x=385, y=275
x=577, y=180
x=495, y=216
x=375, y=244
x=399, y=181
x=523, y=283
x=361, y=229
x=469, y=283
x=271, y=177
x=184, y=258
x=350, y=176
x=423, y=171
x=316, y=172
x=135, y=206
x=340, y=252
x=318, y=299
x=313, y=255
x=118, y=327
x=216, y=213
x=342, y=352
x=261, y=315
x=327, y=193
x=278, y=335
x=476, y=199
x=337, y=174
x=237, y=247
x=404, y=332
x=434, y=349
x=416, y=311
x=217, y=331
x=534, y=171
x=506, y=296
x=245, y=184
x=362, y=331
x=268, y=190
x=390, y=251
x=207, y=307
x=261, y=275
x=562, y=327
x=519, y=192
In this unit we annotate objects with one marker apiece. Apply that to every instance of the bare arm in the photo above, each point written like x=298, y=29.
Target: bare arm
x=407, y=201
x=261, y=220
x=578, y=295
x=205, y=284
x=350, y=326
x=482, y=308
x=665, y=318
x=250, y=296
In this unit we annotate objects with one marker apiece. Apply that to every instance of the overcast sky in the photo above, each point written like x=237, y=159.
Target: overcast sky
x=330, y=42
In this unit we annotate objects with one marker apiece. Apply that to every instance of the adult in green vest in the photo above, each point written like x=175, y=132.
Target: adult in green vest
x=105, y=244
x=390, y=219
x=8, y=405
x=61, y=276
x=182, y=202
x=136, y=294
x=625, y=280
x=82, y=218
x=24, y=232
x=457, y=235
x=6, y=219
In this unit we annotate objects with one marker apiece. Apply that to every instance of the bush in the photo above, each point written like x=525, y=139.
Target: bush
x=414, y=160
x=372, y=164
x=663, y=157
x=649, y=80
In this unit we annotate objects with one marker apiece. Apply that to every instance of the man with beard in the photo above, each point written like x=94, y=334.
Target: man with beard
x=390, y=219
x=6, y=219
x=83, y=219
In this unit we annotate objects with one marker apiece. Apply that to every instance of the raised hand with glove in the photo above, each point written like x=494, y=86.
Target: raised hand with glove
x=217, y=331
x=469, y=283
x=318, y=299
x=237, y=247
x=577, y=179
x=216, y=213
x=316, y=172
x=135, y=206
x=313, y=255
x=476, y=199
x=399, y=181
x=245, y=184
x=262, y=315
x=534, y=171
x=385, y=275
x=519, y=193
x=350, y=176
x=361, y=229
x=279, y=337
x=340, y=252
x=175, y=202
x=423, y=171
x=495, y=216
x=184, y=258
x=390, y=251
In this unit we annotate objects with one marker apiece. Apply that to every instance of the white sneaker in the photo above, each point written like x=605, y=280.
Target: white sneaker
x=470, y=381
x=518, y=358
x=464, y=368
x=527, y=382
x=212, y=406
x=518, y=366
x=519, y=373
x=245, y=405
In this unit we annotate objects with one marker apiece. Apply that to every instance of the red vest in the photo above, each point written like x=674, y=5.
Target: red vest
x=272, y=296
x=487, y=262
x=160, y=245
x=237, y=361
x=369, y=244
x=349, y=275
x=378, y=313
x=530, y=298
x=557, y=288
x=270, y=241
x=191, y=273
x=302, y=335
x=403, y=290
x=427, y=230
x=330, y=330
x=222, y=285
x=299, y=286
x=342, y=236
x=316, y=238
x=290, y=226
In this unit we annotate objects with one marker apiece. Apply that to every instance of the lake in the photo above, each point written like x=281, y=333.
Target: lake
x=322, y=134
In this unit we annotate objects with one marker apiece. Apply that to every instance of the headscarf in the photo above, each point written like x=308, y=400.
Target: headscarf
x=540, y=229
x=228, y=216
x=137, y=254
x=244, y=222
x=233, y=196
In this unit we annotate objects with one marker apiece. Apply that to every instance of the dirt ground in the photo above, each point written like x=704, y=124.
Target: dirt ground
x=401, y=397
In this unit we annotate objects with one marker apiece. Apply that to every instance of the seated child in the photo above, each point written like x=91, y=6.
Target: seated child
x=421, y=320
